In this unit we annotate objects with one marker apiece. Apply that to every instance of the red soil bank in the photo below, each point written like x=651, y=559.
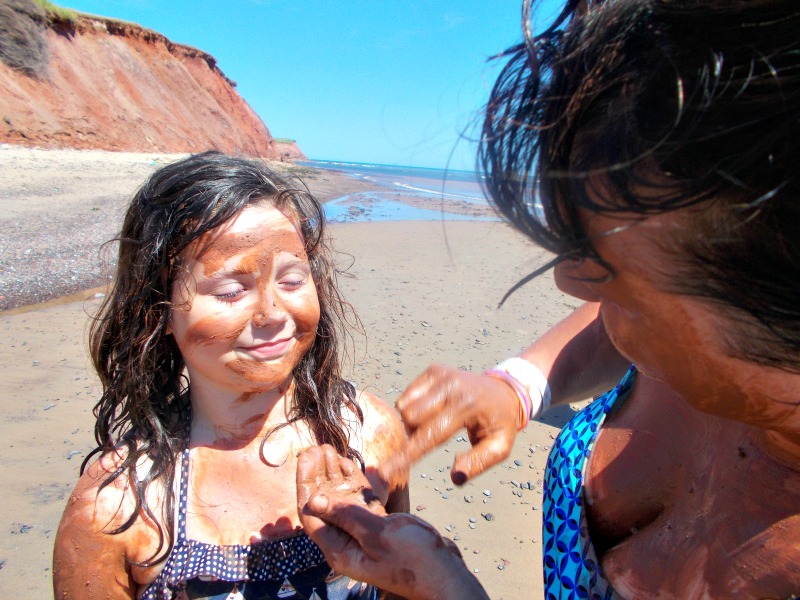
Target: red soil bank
x=111, y=85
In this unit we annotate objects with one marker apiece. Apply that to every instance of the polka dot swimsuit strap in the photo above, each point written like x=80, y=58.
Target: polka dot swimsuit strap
x=174, y=565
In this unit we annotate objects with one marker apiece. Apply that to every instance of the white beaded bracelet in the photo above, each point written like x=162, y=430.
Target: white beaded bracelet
x=532, y=379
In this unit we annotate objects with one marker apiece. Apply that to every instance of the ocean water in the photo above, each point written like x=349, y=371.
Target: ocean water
x=411, y=194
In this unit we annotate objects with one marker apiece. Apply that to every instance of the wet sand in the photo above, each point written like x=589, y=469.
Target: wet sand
x=425, y=292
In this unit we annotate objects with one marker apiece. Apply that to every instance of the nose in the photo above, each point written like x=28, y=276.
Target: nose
x=268, y=311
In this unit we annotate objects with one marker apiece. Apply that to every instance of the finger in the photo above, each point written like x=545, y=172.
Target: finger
x=395, y=468
x=352, y=519
x=420, y=406
x=310, y=471
x=432, y=433
x=427, y=395
x=355, y=480
x=421, y=440
x=486, y=453
x=418, y=388
x=348, y=467
x=340, y=550
x=333, y=466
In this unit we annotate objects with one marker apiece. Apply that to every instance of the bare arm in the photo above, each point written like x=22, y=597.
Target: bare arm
x=577, y=357
x=87, y=561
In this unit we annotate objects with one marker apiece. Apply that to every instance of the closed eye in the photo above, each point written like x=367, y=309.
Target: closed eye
x=229, y=296
x=228, y=292
x=293, y=283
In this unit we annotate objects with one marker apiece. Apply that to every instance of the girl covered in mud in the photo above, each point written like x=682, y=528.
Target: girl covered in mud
x=219, y=354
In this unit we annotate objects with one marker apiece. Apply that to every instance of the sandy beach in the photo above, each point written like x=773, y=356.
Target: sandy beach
x=424, y=291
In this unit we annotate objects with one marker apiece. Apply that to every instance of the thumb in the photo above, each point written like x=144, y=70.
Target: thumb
x=317, y=505
x=356, y=521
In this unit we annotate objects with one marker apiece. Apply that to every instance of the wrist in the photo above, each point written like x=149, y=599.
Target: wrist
x=522, y=396
x=532, y=381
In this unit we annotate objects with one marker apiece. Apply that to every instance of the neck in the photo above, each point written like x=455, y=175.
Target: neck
x=222, y=418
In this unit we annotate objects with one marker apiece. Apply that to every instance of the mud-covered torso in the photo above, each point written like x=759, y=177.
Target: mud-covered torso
x=277, y=565
x=240, y=503
x=689, y=504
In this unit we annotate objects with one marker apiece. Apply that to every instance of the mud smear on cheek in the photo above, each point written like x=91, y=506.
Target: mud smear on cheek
x=306, y=313
x=211, y=329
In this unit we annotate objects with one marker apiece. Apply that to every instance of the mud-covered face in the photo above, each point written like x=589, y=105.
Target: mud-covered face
x=676, y=339
x=245, y=307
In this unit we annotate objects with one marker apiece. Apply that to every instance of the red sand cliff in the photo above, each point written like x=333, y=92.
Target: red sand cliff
x=111, y=85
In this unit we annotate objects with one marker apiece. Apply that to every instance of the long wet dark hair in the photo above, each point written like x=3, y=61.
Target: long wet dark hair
x=695, y=101
x=144, y=409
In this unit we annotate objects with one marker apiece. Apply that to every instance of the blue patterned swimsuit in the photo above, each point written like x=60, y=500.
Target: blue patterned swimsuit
x=292, y=568
x=571, y=568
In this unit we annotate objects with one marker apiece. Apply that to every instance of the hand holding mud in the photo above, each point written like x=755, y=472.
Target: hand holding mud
x=441, y=402
x=338, y=511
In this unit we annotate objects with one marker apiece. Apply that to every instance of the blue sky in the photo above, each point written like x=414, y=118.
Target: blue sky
x=362, y=80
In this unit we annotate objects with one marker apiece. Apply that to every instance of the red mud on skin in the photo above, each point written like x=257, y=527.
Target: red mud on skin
x=118, y=86
x=216, y=250
x=253, y=251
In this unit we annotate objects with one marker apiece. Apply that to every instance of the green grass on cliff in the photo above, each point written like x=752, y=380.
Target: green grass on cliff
x=283, y=140
x=58, y=13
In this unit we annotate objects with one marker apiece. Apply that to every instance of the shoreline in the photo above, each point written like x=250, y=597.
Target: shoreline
x=61, y=210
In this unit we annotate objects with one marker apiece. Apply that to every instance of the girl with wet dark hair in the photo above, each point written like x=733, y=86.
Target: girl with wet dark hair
x=652, y=146
x=219, y=351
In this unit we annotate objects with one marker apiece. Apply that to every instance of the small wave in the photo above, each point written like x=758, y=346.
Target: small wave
x=434, y=192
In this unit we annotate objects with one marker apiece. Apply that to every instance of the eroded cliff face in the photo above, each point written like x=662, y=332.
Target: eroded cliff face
x=112, y=85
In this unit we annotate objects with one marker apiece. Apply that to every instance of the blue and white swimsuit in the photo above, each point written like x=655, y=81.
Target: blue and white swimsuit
x=571, y=567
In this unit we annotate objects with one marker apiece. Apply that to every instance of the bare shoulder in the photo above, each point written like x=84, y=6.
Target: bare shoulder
x=87, y=555
x=383, y=432
x=97, y=502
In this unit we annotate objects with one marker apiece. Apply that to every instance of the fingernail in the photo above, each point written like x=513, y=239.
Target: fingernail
x=458, y=477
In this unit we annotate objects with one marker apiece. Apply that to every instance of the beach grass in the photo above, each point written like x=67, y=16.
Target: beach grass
x=58, y=13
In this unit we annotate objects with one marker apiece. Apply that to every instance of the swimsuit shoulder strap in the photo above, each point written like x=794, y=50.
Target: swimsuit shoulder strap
x=183, y=494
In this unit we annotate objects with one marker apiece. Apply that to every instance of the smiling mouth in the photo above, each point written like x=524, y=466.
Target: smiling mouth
x=268, y=350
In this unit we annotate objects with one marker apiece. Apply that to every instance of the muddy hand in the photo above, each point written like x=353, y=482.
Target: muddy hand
x=398, y=553
x=321, y=470
x=441, y=402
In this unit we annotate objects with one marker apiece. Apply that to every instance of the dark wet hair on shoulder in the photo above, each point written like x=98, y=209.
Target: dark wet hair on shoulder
x=696, y=102
x=144, y=409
